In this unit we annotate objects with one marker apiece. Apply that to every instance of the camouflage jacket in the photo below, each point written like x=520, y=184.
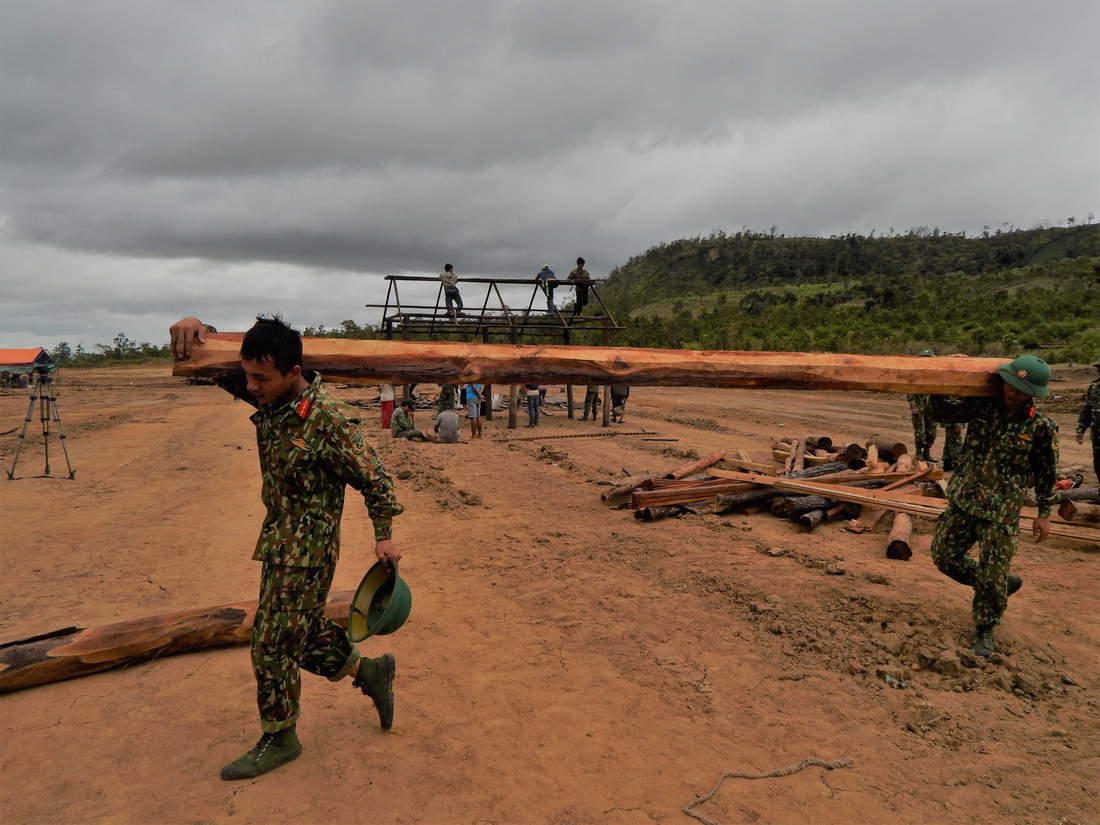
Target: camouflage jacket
x=922, y=403
x=579, y=274
x=401, y=423
x=1000, y=458
x=310, y=449
x=1090, y=413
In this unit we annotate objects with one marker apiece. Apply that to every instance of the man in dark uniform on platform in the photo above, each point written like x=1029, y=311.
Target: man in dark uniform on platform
x=310, y=449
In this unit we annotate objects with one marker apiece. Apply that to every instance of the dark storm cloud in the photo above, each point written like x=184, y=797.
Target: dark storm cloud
x=388, y=137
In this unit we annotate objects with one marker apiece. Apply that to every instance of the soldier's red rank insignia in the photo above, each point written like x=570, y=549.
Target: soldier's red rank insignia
x=303, y=408
x=1031, y=412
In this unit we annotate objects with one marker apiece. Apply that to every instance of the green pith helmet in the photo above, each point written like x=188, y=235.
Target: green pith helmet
x=1096, y=363
x=1028, y=374
x=381, y=605
x=926, y=353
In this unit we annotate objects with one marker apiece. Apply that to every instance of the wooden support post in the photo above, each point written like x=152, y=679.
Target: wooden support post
x=569, y=401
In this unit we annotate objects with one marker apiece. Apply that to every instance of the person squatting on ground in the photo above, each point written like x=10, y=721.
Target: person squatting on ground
x=1089, y=419
x=533, y=404
x=310, y=449
x=1007, y=443
x=591, y=401
x=450, y=291
x=474, y=398
x=619, y=394
x=403, y=424
x=580, y=277
x=447, y=426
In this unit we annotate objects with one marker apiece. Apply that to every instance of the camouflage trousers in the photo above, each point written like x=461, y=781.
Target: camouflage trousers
x=1096, y=452
x=291, y=632
x=952, y=445
x=591, y=401
x=924, y=432
x=955, y=533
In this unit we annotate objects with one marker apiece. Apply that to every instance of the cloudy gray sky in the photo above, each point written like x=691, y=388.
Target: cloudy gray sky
x=223, y=158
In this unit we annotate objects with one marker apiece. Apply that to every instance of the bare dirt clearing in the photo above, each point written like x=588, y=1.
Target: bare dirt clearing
x=563, y=663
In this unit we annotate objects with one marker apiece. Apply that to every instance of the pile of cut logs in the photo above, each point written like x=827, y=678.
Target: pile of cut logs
x=813, y=482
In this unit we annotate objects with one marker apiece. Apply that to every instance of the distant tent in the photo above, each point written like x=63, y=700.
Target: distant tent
x=19, y=361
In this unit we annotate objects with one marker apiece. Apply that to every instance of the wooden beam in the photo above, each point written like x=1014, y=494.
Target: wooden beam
x=356, y=361
x=76, y=651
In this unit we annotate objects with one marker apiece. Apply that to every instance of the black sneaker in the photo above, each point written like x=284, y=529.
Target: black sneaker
x=1014, y=583
x=982, y=642
x=273, y=750
x=380, y=690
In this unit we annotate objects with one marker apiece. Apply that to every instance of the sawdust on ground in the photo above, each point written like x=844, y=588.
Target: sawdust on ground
x=564, y=663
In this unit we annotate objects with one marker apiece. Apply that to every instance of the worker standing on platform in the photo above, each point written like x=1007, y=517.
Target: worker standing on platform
x=450, y=291
x=580, y=277
x=547, y=281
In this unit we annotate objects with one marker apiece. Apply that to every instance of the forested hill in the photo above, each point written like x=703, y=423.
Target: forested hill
x=1000, y=294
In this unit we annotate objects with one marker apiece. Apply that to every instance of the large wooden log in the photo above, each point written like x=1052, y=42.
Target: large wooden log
x=401, y=362
x=899, y=544
x=75, y=651
x=1079, y=511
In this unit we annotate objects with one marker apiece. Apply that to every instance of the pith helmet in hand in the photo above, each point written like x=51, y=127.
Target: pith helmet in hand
x=1028, y=374
x=381, y=604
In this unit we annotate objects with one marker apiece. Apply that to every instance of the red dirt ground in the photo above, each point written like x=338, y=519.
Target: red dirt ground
x=563, y=663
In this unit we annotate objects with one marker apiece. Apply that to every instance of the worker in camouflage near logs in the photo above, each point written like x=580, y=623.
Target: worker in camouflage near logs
x=310, y=448
x=1008, y=442
x=1089, y=419
x=924, y=429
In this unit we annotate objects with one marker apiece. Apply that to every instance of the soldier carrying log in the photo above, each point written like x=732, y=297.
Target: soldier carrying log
x=1007, y=443
x=310, y=449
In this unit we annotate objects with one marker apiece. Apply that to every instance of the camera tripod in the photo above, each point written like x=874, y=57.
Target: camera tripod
x=43, y=393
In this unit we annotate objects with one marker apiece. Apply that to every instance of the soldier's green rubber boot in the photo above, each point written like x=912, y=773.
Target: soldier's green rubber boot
x=982, y=642
x=375, y=679
x=273, y=750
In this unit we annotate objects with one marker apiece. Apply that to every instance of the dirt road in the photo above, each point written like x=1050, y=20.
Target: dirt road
x=563, y=663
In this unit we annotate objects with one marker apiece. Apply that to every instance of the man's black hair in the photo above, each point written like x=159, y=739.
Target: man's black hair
x=272, y=339
x=448, y=268
x=407, y=402
x=580, y=261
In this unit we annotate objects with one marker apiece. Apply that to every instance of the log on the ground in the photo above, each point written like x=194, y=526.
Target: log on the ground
x=658, y=513
x=888, y=451
x=898, y=545
x=356, y=361
x=1080, y=511
x=795, y=507
x=819, y=442
x=703, y=491
x=725, y=503
x=810, y=519
x=75, y=651
x=796, y=459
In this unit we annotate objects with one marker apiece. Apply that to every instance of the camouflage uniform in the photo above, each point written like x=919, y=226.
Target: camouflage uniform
x=446, y=397
x=985, y=496
x=401, y=426
x=580, y=276
x=1089, y=419
x=953, y=445
x=591, y=400
x=924, y=425
x=310, y=449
